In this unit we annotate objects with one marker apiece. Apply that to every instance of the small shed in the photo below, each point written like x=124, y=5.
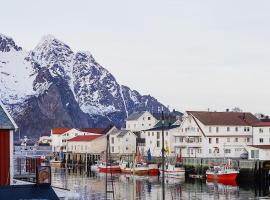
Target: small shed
x=7, y=126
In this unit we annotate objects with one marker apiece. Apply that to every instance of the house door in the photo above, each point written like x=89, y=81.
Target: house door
x=4, y=157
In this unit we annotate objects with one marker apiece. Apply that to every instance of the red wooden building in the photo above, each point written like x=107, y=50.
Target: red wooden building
x=7, y=126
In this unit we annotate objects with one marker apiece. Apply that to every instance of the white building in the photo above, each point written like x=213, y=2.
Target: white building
x=153, y=140
x=122, y=142
x=214, y=134
x=260, y=148
x=94, y=144
x=140, y=121
x=60, y=136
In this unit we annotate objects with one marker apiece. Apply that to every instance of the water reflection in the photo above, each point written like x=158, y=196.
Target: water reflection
x=92, y=186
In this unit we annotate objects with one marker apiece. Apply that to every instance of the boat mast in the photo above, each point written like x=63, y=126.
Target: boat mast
x=163, y=158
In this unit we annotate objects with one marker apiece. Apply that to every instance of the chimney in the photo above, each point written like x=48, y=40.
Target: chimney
x=227, y=110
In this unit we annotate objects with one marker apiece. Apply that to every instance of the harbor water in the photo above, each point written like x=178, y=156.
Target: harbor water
x=127, y=187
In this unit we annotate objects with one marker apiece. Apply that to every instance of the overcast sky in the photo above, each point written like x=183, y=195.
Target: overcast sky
x=191, y=55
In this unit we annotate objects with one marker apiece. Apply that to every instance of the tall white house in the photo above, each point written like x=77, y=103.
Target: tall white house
x=214, y=134
x=140, y=121
x=260, y=148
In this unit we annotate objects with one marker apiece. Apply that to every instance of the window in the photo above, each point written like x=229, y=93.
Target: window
x=210, y=151
x=217, y=129
x=181, y=139
x=228, y=129
x=177, y=139
x=210, y=129
x=261, y=140
x=200, y=139
x=254, y=154
x=158, y=143
x=236, y=129
x=149, y=118
x=246, y=129
x=143, y=118
x=227, y=151
x=236, y=139
x=217, y=140
x=112, y=140
x=126, y=139
x=149, y=134
x=142, y=124
x=210, y=140
x=228, y=139
x=112, y=149
x=261, y=130
x=152, y=133
x=248, y=139
x=198, y=130
x=149, y=124
x=126, y=148
x=158, y=135
x=191, y=151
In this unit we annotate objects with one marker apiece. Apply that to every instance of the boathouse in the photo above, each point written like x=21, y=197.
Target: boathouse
x=7, y=126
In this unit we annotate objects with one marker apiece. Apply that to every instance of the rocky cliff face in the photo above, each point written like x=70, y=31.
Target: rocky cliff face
x=52, y=86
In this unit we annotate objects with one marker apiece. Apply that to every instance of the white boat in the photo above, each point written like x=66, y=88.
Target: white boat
x=95, y=167
x=173, y=170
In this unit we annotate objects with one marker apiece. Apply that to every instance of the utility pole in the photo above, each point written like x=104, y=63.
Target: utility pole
x=163, y=159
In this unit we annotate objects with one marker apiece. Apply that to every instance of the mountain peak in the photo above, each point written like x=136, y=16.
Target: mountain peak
x=7, y=44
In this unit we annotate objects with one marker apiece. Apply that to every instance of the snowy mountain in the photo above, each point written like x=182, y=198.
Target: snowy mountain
x=52, y=86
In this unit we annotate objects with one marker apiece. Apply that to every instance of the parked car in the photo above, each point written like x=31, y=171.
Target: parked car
x=244, y=155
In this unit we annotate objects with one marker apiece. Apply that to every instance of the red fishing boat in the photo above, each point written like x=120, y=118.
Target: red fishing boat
x=108, y=168
x=222, y=172
x=153, y=170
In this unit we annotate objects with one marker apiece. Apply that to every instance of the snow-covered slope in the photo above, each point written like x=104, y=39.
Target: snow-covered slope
x=63, y=88
x=16, y=72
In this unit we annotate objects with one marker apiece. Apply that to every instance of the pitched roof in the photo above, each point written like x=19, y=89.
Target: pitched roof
x=6, y=121
x=122, y=133
x=262, y=123
x=225, y=118
x=165, y=128
x=167, y=122
x=260, y=146
x=60, y=131
x=93, y=130
x=135, y=116
x=84, y=138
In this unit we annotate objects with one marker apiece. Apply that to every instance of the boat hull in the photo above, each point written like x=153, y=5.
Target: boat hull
x=230, y=176
x=136, y=171
x=153, y=172
x=172, y=173
x=109, y=169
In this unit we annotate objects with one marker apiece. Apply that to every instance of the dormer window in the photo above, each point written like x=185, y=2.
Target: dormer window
x=149, y=118
x=217, y=129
